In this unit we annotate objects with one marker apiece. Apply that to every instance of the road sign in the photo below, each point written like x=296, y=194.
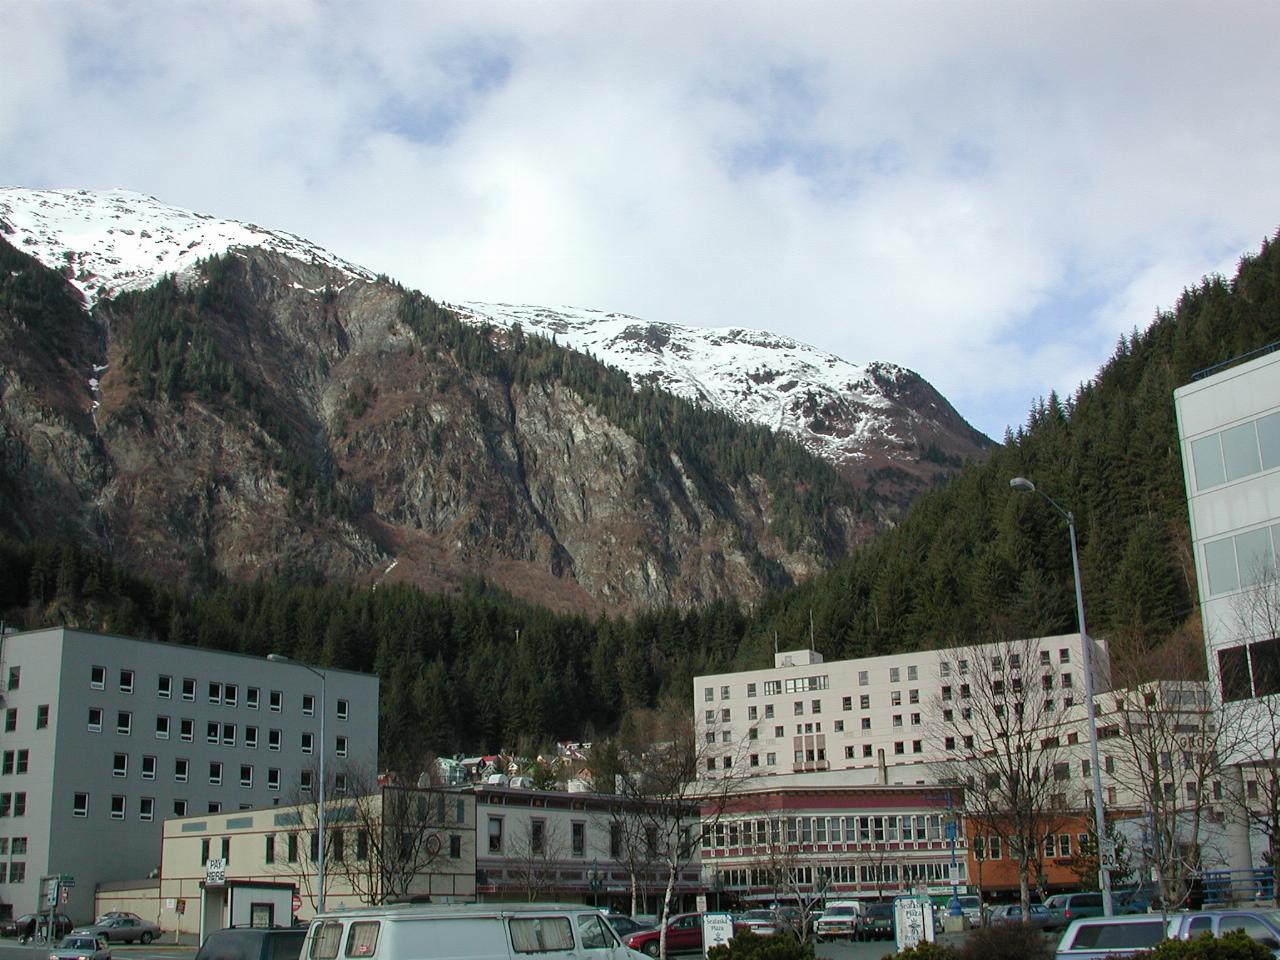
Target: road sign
x=67, y=880
x=181, y=905
x=1107, y=854
x=65, y=894
x=297, y=903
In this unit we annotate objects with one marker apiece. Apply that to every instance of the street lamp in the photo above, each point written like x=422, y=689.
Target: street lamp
x=595, y=880
x=280, y=658
x=1104, y=872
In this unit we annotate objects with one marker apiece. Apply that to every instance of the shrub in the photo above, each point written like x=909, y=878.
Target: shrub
x=751, y=946
x=1014, y=941
x=1235, y=945
x=924, y=950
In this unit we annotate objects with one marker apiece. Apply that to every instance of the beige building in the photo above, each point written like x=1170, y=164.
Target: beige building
x=398, y=843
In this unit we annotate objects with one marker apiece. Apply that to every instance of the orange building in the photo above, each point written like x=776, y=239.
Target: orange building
x=1056, y=867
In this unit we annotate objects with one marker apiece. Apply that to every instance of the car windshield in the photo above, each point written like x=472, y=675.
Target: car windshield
x=880, y=910
x=78, y=943
x=839, y=911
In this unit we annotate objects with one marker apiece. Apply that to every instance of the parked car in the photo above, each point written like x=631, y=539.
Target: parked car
x=624, y=926
x=761, y=922
x=1260, y=925
x=24, y=928
x=971, y=907
x=839, y=920
x=122, y=930
x=253, y=943
x=684, y=935
x=80, y=947
x=1093, y=938
x=1130, y=901
x=875, y=922
x=1072, y=906
x=112, y=914
x=1038, y=915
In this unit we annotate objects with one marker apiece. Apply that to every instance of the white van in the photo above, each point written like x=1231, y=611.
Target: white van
x=497, y=931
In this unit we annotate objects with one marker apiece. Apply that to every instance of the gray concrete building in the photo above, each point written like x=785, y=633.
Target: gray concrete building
x=104, y=737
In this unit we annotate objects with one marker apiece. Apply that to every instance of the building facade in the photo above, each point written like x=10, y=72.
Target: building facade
x=1229, y=431
x=105, y=737
x=874, y=718
x=812, y=836
x=574, y=846
x=397, y=843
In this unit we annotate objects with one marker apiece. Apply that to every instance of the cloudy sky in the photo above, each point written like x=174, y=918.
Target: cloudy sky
x=988, y=193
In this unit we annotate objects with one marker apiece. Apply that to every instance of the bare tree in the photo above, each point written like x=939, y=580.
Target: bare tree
x=680, y=781
x=996, y=717
x=1167, y=739
x=381, y=840
x=536, y=849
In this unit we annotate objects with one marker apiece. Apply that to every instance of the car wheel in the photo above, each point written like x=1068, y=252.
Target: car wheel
x=652, y=948
x=146, y=936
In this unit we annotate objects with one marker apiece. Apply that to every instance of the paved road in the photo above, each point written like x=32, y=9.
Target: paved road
x=12, y=950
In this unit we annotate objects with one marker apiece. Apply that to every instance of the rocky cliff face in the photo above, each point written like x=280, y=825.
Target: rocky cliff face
x=275, y=411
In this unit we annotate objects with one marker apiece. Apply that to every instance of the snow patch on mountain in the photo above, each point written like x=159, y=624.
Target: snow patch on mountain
x=106, y=242
x=838, y=409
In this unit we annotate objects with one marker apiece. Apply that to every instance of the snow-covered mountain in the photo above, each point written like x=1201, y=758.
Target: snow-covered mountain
x=876, y=421
x=843, y=412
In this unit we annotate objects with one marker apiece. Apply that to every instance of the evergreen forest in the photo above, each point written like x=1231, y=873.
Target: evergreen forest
x=479, y=670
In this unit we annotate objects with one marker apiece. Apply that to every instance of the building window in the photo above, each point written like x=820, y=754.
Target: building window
x=95, y=719
x=180, y=768
x=846, y=703
x=913, y=673
x=308, y=705
x=815, y=706
x=917, y=746
x=305, y=781
x=724, y=693
x=770, y=759
x=344, y=709
x=148, y=768
x=251, y=737
x=455, y=846
x=866, y=723
x=98, y=678
x=15, y=677
x=124, y=722
x=215, y=692
x=179, y=808
x=273, y=739
x=215, y=772
x=212, y=730
x=164, y=687
x=895, y=674
x=120, y=765
x=578, y=832
x=229, y=695
x=866, y=750
x=269, y=854
x=147, y=808
x=751, y=689
x=188, y=688
x=895, y=698
x=126, y=681
x=80, y=805
x=275, y=702
x=307, y=743
x=162, y=728
x=839, y=726
x=495, y=834
x=42, y=716
x=708, y=694
x=228, y=734
x=864, y=678
x=340, y=746
x=246, y=775
x=273, y=778
x=117, y=807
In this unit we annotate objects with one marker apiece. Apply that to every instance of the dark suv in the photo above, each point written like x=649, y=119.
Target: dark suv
x=253, y=943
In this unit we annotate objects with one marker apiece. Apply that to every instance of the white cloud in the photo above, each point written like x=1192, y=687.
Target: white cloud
x=919, y=182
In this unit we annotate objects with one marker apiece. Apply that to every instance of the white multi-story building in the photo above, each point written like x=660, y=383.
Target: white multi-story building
x=104, y=737
x=1229, y=428
x=876, y=718
x=1229, y=431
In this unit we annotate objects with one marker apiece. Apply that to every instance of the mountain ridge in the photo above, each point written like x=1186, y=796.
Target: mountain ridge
x=235, y=402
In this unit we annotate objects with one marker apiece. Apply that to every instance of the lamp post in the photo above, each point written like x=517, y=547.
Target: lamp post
x=595, y=882
x=280, y=658
x=1104, y=869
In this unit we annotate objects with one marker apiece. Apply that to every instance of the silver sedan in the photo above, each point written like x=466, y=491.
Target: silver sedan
x=121, y=930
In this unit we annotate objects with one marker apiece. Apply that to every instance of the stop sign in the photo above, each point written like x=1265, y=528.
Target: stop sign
x=297, y=903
